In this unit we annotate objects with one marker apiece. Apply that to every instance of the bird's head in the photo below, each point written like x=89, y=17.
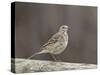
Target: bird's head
x=63, y=28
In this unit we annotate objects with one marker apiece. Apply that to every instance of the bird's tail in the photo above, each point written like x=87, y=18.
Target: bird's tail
x=41, y=52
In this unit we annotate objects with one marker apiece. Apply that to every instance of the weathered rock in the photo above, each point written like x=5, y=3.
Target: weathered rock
x=47, y=66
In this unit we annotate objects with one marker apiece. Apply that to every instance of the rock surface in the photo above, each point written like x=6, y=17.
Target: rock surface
x=30, y=66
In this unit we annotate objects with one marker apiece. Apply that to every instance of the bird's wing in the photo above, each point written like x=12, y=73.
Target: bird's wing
x=55, y=38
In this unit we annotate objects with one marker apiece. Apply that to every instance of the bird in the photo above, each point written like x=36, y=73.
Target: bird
x=56, y=44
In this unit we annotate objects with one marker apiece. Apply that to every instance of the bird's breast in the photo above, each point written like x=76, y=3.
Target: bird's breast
x=66, y=39
x=60, y=46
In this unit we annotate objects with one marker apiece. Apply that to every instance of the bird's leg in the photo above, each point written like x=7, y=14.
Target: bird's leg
x=56, y=59
x=53, y=57
x=59, y=59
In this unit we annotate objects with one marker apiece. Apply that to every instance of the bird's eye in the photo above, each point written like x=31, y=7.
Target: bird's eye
x=63, y=27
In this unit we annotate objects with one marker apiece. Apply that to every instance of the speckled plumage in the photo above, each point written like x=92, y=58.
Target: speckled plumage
x=56, y=44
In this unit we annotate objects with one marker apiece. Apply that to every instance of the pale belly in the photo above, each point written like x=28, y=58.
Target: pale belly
x=59, y=47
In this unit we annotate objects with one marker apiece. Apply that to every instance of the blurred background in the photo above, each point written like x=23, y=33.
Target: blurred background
x=35, y=23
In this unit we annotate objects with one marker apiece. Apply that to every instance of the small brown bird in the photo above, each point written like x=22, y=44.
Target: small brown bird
x=56, y=44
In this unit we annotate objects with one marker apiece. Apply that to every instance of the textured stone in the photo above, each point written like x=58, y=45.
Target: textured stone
x=47, y=66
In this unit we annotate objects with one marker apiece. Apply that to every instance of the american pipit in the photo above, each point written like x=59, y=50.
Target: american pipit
x=56, y=44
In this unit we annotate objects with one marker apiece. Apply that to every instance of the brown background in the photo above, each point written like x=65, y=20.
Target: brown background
x=36, y=23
